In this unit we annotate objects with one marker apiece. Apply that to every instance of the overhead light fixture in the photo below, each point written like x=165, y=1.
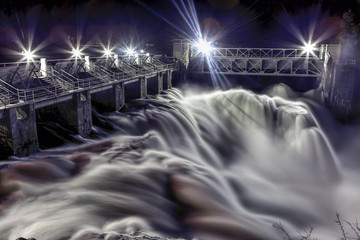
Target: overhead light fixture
x=309, y=48
x=28, y=55
x=130, y=51
x=76, y=52
x=203, y=47
x=107, y=52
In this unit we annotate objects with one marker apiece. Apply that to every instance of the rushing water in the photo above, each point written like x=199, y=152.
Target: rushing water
x=218, y=165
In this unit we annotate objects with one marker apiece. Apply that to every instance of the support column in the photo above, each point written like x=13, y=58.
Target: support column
x=160, y=78
x=18, y=132
x=143, y=87
x=43, y=67
x=74, y=114
x=110, y=100
x=119, y=95
x=82, y=120
x=168, y=80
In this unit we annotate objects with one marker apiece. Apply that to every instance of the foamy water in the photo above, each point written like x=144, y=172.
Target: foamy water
x=219, y=165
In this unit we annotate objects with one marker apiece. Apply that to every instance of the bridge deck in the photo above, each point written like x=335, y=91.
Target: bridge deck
x=259, y=62
x=22, y=83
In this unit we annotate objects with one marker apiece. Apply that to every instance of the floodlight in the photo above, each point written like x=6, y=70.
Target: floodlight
x=130, y=51
x=76, y=52
x=309, y=48
x=142, y=51
x=107, y=52
x=28, y=55
x=203, y=46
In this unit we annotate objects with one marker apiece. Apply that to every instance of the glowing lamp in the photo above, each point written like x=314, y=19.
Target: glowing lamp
x=107, y=52
x=309, y=48
x=130, y=51
x=203, y=46
x=28, y=55
x=76, y=52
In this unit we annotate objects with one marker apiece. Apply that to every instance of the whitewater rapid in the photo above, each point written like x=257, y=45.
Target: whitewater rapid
x=215, y=165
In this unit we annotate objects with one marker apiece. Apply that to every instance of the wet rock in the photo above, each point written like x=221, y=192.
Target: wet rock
x=115, y=236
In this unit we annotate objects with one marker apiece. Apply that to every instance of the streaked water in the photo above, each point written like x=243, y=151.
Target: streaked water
x=217, y=165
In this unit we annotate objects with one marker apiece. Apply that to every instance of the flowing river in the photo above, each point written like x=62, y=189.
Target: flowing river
x=193, y=165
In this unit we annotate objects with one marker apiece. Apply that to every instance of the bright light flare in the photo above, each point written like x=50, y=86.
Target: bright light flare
x=28, y=55
x=107, y=52
x=76, y=52
x=309, y=48
x=203, y=46
x=130, y=51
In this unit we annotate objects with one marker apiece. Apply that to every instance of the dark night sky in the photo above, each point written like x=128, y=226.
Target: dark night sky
x=260, y=23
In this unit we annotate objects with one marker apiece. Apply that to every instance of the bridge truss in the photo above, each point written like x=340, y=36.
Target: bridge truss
x=259, y=62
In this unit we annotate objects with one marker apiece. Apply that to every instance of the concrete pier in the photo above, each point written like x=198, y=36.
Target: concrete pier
x=168, y=80
x=74, y=114
x=63, y=92
x=18, y=132
x=112, y=99
x=160, y=81
x=338, y=83
x=143, y=87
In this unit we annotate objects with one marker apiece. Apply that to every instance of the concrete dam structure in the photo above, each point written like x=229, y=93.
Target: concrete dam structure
x=64, y=91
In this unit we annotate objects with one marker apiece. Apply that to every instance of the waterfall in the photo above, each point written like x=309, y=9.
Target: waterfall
x=185, y=164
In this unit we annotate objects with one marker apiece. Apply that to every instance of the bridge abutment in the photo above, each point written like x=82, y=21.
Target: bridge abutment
x=18, y=132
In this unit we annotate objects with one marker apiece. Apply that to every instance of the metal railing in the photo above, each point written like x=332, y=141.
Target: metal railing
x=60, y=82
x=261, y=53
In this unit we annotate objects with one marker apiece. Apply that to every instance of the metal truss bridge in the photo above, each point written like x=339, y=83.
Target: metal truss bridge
x=28, y=82
x=258, y=62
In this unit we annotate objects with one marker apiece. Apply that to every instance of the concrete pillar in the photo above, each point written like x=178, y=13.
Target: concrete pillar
x=112, y=99
x=82, y=119
x=18, y=132
x=74, y=114
x=168, y=79
x=87, y=63
x=43, y=67
x=160, y=78
x=143, y=87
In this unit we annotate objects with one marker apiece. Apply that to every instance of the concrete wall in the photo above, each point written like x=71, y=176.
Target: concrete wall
x=338, y=85
x=18, y=132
